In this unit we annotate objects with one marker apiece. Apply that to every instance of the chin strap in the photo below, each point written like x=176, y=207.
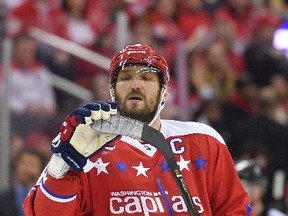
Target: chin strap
x=160, y=105
x=111, y=90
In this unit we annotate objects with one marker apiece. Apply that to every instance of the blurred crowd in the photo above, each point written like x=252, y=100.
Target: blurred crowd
x=237, y=80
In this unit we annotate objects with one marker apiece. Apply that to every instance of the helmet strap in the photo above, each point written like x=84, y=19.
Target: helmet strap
x=161, y=105
x=112, y=93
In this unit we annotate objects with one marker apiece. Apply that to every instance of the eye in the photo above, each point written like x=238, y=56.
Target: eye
x=146, y=78
x=124, y=78
x=150, y=77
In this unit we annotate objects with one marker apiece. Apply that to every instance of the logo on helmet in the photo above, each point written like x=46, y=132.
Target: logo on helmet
x=139, y=54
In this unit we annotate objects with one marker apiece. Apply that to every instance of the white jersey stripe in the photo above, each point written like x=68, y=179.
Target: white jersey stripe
x=54, y=197
x=172, y=128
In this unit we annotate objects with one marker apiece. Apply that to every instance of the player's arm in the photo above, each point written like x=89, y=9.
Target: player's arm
x=59, y=189
x=52, y=196
x=232, y=198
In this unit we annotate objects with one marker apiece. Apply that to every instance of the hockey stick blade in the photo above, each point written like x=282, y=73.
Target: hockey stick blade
x=125, y=126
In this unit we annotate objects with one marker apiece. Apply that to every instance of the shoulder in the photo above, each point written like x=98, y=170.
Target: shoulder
x=172, y=128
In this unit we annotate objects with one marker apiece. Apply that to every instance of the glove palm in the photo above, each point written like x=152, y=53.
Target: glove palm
x=77, y=141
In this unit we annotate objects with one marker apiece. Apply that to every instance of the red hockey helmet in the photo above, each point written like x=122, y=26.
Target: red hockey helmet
x=139, y=54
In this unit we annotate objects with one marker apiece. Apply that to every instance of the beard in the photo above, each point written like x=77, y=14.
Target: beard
x=145, y=114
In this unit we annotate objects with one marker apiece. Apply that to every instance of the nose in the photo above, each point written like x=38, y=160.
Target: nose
x=136, y=84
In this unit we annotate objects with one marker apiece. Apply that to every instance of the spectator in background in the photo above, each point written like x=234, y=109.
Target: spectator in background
x=11, y=4
x=243, y=16
x=224, y=32
x=278, y=7
x=100, y=87
x=109, y=10
x=32, y=95
x=40, y=141
x=212, y=113
x=102, y=16
x=263, y=128
x=262, y=59
x=17, y=143
x=162, y=17
x=194, y=22
x=254, y=150
x=241, y=103
x=223, y=115
x=31, y=86
x=255, y=183
x=138, y=7
x=212, y=74
x=27, y=166
x=43, y=14
x=79, y=28
x=280, y=84
x=61, y=64
x=141, y=31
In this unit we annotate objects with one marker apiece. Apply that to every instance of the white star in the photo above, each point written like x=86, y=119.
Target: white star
x=101, y=167
x=183, y=164
x=89, y=165
x=141, y=170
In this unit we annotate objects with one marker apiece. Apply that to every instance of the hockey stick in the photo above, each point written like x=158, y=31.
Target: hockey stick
x=122, y=125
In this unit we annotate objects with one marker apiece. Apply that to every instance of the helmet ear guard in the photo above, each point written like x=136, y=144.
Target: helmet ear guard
x=250, y=171
x=139, y=54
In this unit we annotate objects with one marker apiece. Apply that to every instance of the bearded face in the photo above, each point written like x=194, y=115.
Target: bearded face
x=137, y=93
x=145, y=113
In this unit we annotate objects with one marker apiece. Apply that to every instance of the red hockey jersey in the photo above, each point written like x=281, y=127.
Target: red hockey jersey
x=133, y=178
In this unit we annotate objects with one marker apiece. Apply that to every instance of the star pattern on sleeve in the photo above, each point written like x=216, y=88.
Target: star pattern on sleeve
x=121, y=166
x=183, y=164
x=101, y=166
x=248, y=209
x=200, y=163
x=164, y=166
x=141, y=170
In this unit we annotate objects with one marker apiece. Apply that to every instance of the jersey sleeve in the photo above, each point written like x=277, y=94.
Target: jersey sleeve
x=53, y=197
x=232, y=199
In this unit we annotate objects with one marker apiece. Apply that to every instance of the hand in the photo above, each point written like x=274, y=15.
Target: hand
x=77, y=141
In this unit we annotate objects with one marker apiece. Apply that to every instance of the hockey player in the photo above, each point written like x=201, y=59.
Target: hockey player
x=255, y=182
x=118, y=175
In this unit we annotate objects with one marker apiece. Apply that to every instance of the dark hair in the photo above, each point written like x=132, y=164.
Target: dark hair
x=28, y=151
x=65, y=8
